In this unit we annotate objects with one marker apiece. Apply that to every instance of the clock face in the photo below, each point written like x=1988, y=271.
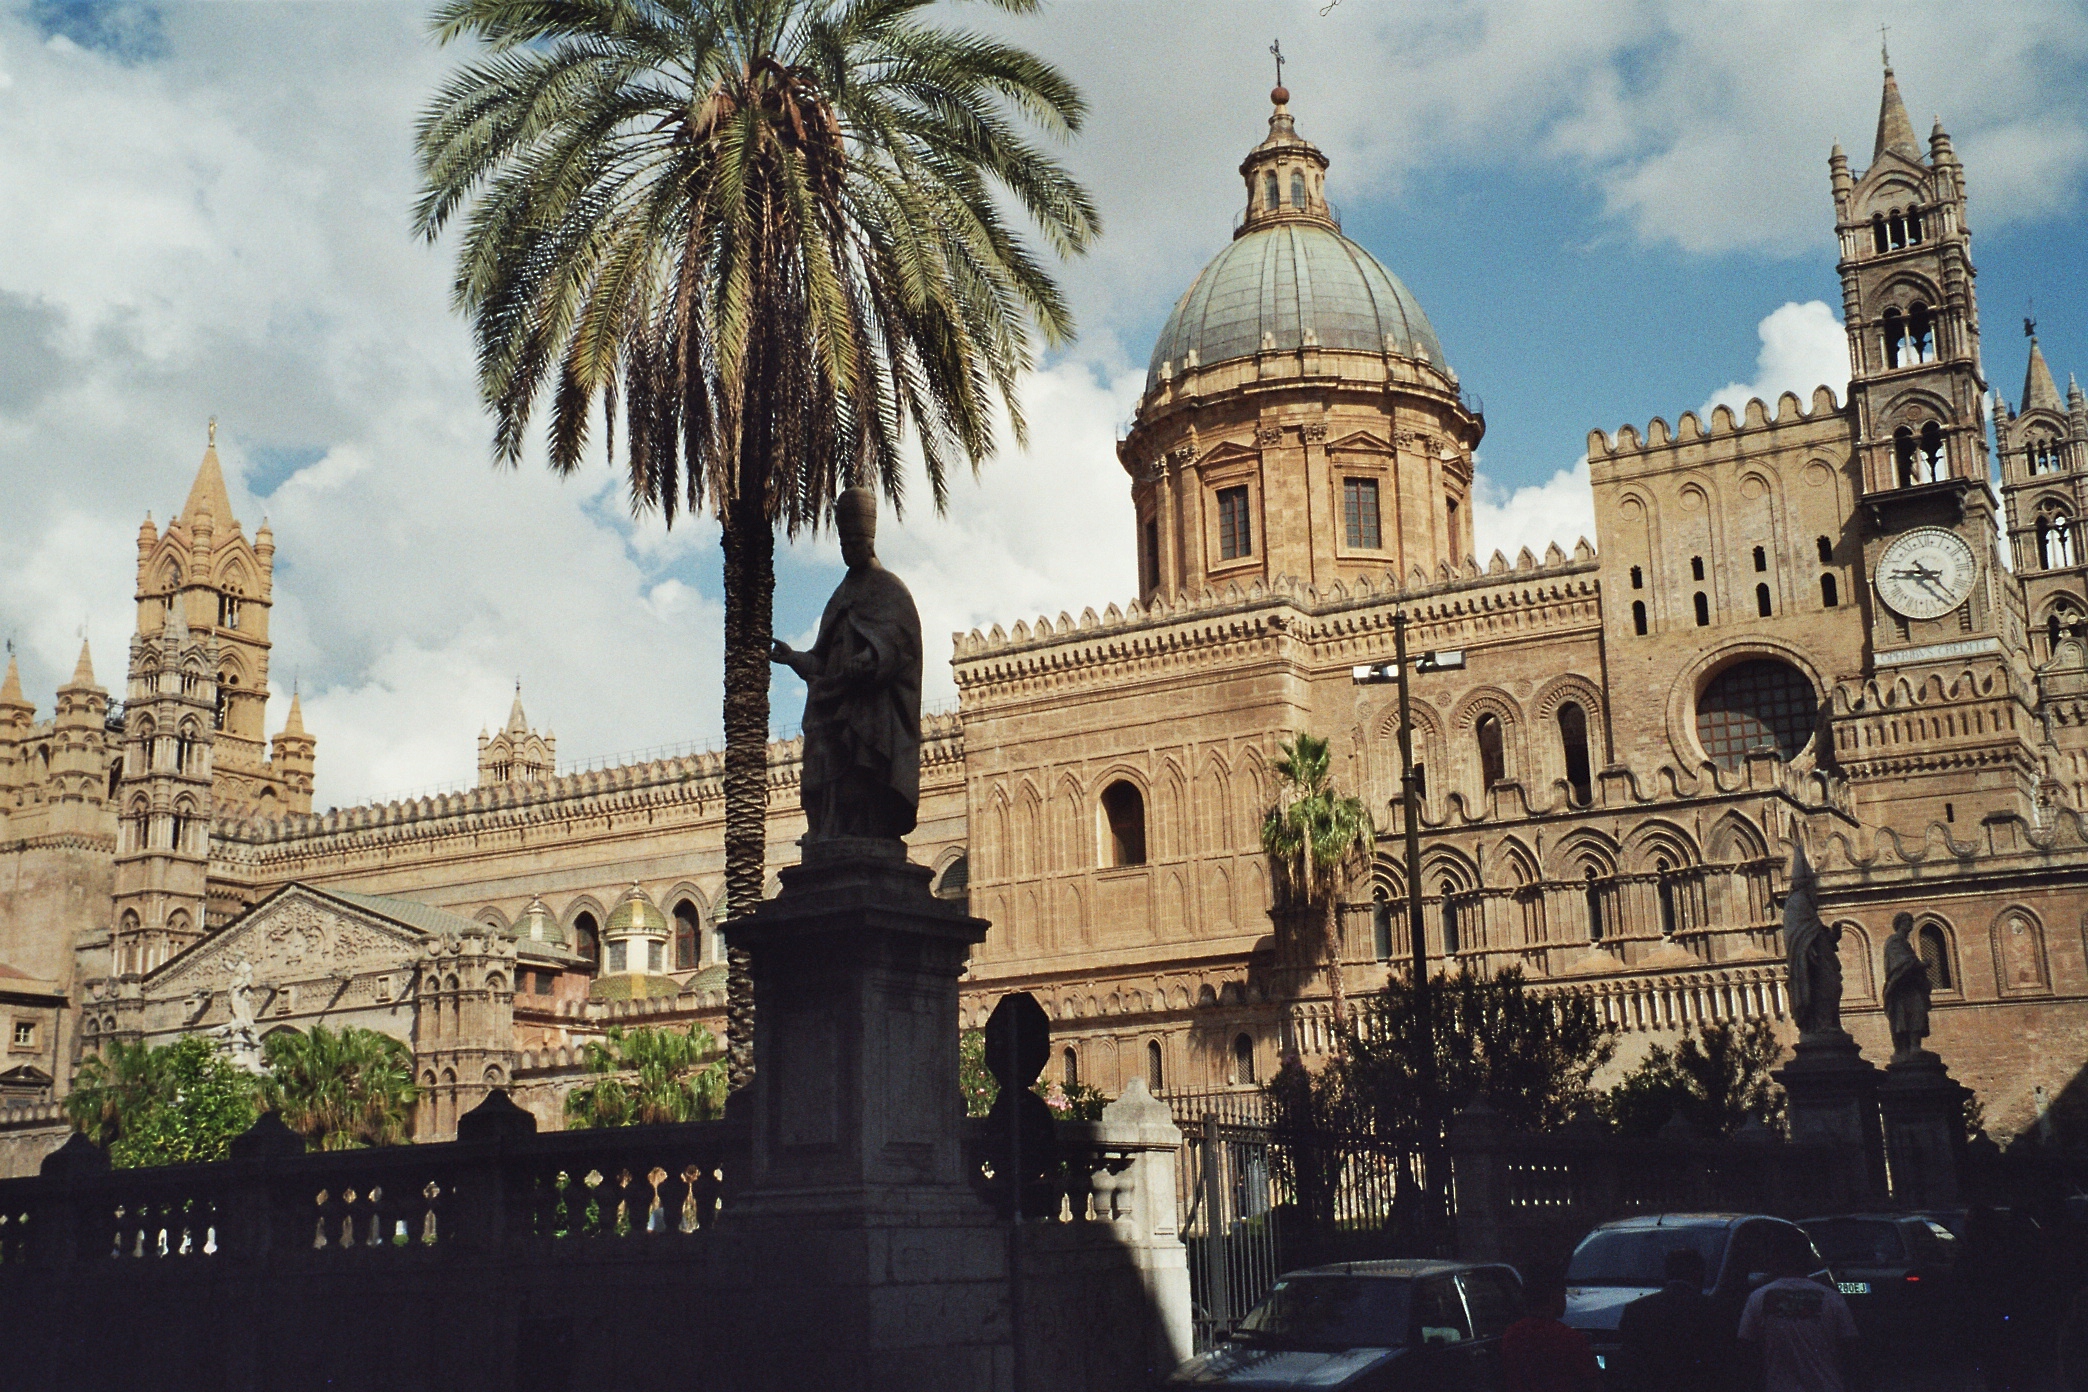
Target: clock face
x=1926, y=573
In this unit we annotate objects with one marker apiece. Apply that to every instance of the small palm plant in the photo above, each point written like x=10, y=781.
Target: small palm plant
x=775, y=236
x=341, y=1089
x=1317, y=841
x=646, y=1076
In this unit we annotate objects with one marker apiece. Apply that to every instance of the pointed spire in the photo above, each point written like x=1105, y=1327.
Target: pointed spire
x=1895, y=129
x=295, y=724
x=83, y=670
x=517, y=723
x=11, y=689
x=2040, y=392
x=2074, y=399
x=208, y=491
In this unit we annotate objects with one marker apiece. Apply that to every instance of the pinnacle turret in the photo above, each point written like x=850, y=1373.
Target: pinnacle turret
x=83, y=670
x=11, y=697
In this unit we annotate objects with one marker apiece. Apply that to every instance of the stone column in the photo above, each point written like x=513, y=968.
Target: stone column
x=1923, y=1110
x=869, y=1262
x=1833, y=1099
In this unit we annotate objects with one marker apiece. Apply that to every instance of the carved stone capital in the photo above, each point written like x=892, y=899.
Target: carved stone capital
x=1316, y=431
x=1268, y=435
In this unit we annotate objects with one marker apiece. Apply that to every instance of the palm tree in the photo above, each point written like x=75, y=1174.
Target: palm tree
x=340, y=1090
x=772, y=234
x=647, y=1075
x=1316, y=841
x=113, y=1089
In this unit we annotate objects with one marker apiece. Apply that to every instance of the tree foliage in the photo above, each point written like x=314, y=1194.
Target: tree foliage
x=1715, y=1080
x=1081, y=1102
x=341, y=1089
x=178, y=1104
x=647, y=1075
x=1532, y=1056
x=775, y=237
x=1316, y=840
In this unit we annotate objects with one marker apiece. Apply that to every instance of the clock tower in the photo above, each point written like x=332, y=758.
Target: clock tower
x=1940, y=602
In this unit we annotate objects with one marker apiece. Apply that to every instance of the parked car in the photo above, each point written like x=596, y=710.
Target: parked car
x=1368, y=1325
x=1897, y=1271
x=1621, y=1261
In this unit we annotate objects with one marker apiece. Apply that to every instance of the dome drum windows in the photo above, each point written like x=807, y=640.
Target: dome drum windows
x=1360, y=525
x=1757, y=706
x=1233, y=509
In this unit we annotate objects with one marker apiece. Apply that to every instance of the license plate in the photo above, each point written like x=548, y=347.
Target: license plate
x=1854, y=1287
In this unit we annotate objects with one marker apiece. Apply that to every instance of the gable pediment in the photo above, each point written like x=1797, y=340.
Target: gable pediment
x=1362, y=440
x=297, y=934
x=1229, y=452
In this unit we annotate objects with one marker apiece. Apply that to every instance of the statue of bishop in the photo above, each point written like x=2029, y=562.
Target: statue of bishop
x=1814, y=954
x=862, y=766
x=1907, y=988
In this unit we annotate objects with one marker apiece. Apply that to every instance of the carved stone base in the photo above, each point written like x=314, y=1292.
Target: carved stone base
x=1923, y=1113
x=1833, y=1096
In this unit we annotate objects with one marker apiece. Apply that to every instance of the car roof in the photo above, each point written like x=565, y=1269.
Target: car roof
x=1406, y=1268
x=1867, y=1217
x=1646, y=1221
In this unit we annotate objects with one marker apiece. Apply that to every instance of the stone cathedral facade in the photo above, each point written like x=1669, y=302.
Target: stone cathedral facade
x=1816, y=621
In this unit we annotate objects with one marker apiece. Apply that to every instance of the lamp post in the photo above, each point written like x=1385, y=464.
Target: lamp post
x=1446, y=660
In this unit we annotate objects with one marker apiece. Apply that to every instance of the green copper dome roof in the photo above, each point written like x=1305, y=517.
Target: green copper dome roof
x=636, y=914
x=1283, y=282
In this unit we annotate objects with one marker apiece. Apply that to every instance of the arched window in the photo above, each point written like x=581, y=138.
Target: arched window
x=2043, y=455
x=1897, y=226
x=1762, y=600
x=1069, y=1066
x=1665, y=889
x=1696, y=567
x=1826, y=549
x=228, y=611
x=2055, y=541
x=1493, y=763
x=1913, y=228
x=1269, y=189
x=1638, y=578
x=1450, y=942
x=1761, y=559
x=1593, y=893
x=1932, y=451
x=587, y=940
x=1934, y=951
x=217, y=709
x=1878, y=242
x=1703, y=610
x=1297, y=190
x=1123, y=811
x=1243, y=1059
x=955, y=881
x=1156, y=1068
x=1830, y=592
x=1904, y=456
x=688, y=933
x=1380, y=923
x=1895, y=337
x=179, y=832
x=184, y=749
x=1757, y=705
x=1921, y=334
x=1638, y=617
x=1573, y=741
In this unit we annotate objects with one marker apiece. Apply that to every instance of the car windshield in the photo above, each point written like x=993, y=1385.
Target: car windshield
x=1859, y=1241
x=1328, y=1314
x=1638, y=1256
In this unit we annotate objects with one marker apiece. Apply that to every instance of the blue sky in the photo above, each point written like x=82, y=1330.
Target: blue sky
x=1610, y=209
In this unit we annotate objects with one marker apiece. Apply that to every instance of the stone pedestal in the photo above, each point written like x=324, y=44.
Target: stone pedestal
x=869, y=1262
x=1923, y=1112
x=1833, y=1097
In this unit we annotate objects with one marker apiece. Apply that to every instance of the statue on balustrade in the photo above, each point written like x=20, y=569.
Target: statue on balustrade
x=862, y=764
x=1814, y=954
x=1907, y=988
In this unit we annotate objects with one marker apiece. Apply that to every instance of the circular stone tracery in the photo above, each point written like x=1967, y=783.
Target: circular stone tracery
x=1758, y=705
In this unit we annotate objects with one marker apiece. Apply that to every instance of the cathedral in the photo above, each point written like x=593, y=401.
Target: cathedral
x=1818, y=622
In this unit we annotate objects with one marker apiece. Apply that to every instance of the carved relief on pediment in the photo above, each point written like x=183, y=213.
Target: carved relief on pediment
x=293, y=940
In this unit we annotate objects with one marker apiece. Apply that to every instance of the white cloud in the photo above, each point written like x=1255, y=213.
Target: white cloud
x=1561, y=509
x=1803, y=347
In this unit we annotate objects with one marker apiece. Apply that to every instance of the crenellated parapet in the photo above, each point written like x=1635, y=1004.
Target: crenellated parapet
x=1726, y=433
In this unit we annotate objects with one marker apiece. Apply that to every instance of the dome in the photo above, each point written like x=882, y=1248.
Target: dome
x=636, y=915
x=537, y=925
x=1284, y=285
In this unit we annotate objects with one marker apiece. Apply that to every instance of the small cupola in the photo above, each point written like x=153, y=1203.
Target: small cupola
x=1286, y=175
x=635, y=936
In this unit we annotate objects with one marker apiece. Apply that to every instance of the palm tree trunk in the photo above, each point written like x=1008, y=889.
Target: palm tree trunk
x=1331, y=940
x=749, y=544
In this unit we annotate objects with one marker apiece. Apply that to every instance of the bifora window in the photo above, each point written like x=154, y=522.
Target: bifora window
x=1759, y=705
x=1359, y=513
x=1235, y=535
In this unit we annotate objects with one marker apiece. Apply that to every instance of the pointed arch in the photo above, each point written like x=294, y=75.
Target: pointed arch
x=2020, y=965
x=1026, y=825
x=1735, y=840
x=1654, y=841
x=1215, y=805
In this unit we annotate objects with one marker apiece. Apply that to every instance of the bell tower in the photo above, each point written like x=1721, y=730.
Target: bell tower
x=1917, y=391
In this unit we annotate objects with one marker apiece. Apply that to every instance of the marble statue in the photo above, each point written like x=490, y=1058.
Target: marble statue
x=1814, y=950
x=240, y=1036
x=862, y=763
x=1907, y=988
